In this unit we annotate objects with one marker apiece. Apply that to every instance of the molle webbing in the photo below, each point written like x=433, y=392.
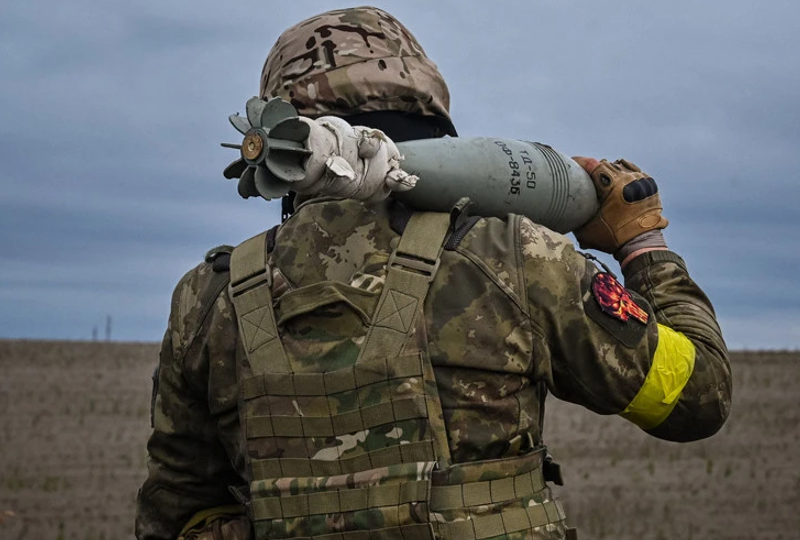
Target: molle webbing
x=337, y=502
x=363, y=449
x=506, y=522
x=416, y=452
x=521, y=486
x=416, y=531
x=338, y=424
x=332, y=382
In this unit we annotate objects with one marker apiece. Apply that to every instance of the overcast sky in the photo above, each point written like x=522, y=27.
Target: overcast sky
x=111, y=115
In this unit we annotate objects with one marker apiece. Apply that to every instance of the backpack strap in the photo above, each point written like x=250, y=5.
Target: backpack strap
x=251, y=294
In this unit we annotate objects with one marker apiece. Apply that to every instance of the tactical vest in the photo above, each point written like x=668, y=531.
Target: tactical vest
x=359, y=451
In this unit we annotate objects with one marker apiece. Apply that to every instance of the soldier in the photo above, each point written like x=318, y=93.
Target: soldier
x=366, y=371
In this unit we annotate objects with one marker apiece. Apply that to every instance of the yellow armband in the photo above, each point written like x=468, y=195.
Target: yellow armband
x=673, y=363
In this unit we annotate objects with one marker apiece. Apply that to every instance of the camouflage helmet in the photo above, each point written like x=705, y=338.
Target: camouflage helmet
x=352, y=61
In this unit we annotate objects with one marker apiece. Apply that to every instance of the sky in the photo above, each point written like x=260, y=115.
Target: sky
x=111, y=115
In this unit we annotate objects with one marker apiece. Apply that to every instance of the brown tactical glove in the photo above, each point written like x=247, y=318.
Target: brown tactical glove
x=629, y=205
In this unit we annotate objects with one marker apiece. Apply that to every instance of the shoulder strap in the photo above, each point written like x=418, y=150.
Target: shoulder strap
x=410, y=270
x=251, y=294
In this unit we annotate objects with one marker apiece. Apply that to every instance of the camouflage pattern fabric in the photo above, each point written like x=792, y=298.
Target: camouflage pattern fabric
x=357, y=448
x=507, y=315
x=354, y=61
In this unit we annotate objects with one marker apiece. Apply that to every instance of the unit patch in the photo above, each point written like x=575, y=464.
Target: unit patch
x=615, y=300
x=612, y=306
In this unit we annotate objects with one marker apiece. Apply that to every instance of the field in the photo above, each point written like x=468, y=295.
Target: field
x=74, y=419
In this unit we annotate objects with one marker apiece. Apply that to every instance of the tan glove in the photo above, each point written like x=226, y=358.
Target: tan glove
x=629, y=205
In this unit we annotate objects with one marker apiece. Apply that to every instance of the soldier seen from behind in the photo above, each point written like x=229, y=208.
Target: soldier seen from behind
x=365, y=371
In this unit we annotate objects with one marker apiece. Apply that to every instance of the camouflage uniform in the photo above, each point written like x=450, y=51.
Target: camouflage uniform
x=514, y=311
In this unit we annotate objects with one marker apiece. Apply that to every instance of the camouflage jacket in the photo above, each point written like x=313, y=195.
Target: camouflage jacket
x=514, y=311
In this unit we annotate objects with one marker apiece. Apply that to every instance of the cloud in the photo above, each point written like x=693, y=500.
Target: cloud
x=113, y=114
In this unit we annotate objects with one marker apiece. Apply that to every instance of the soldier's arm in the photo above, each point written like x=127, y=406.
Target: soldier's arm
x=188, y=469
x=660, y=362
x=662, y=279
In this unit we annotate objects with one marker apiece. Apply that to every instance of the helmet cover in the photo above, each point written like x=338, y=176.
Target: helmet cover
x=351, y=61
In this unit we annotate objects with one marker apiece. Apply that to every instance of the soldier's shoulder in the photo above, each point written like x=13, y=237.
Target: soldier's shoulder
x=504, y=235
x=216, y=261
x=543, y=244
x=219, y=258
x=196, y=294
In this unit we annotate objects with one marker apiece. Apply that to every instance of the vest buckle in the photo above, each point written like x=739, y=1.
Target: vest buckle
x=406, y=262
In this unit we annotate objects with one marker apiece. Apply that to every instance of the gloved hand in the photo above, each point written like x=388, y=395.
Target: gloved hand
x=629, y=205
x=355, y=162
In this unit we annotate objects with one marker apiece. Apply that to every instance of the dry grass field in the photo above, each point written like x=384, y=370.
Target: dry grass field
x=74, y=421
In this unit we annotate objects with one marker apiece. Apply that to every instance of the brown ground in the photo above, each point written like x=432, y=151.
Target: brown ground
x=74, y=421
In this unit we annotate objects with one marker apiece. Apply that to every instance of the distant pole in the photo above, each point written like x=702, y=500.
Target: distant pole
x=94, y=333
x=108, y=328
